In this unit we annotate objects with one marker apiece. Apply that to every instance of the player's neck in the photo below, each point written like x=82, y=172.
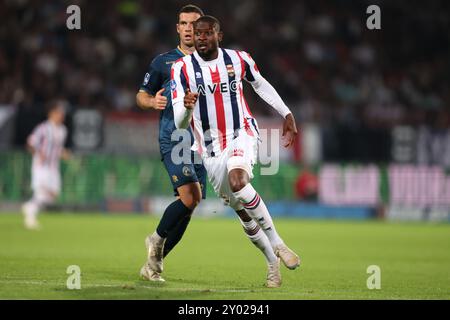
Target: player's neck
x=185, y=49
x=210, y=56
x=53, y=122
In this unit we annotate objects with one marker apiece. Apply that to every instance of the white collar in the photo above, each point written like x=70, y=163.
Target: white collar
x=211, y=62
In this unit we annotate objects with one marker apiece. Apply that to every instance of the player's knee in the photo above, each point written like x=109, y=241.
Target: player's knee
x=190, y=201
x=191, y=197
x=237, y=182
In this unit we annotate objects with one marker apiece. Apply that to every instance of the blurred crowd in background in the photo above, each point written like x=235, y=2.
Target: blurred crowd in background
x=319, y=55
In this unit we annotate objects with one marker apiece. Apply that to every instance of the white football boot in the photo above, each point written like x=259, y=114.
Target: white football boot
x=149, y=274
x=30, y=219
x=273, y=275
x=289, y=258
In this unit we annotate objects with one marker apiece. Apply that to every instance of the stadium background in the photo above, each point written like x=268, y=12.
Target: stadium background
x=372, y=105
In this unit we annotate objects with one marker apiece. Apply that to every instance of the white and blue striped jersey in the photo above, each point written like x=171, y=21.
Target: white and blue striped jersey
x=221, y=109
x=47, y=139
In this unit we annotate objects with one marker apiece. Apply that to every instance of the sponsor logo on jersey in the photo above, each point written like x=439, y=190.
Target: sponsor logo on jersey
x=222, y=87
x=198, y=75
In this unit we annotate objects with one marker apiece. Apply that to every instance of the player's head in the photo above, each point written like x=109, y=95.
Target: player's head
x=207, y=36
x=56, y=111
x=186, y=17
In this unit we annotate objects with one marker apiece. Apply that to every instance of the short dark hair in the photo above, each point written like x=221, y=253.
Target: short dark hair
x=190, y=8
x=55, y=104
x=211, y=20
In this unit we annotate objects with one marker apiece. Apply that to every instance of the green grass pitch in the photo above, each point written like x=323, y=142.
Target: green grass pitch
x=216, y=261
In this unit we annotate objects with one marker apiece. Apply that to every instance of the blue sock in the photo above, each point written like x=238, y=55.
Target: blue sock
x=175, y=235
x=174, y=213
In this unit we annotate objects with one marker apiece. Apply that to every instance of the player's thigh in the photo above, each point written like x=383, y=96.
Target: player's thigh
x=244, y=154
x=46, y=182
x=218, y=177
x=217, y=172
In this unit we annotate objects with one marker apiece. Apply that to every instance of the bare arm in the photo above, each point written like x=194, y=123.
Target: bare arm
x=34, y=141
x=147, y=101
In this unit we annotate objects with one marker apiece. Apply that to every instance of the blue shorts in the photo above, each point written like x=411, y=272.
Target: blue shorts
x=181, y=174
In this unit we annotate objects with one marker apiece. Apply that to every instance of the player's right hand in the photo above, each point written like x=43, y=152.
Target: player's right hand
x=160, y=101
x=190, y=99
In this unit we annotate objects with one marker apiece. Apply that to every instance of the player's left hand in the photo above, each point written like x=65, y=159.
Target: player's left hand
x=289, y=130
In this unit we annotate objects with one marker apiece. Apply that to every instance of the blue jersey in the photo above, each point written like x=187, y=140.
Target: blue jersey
x=156, y=78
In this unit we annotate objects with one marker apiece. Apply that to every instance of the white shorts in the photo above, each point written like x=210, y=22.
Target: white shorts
x=241, y=153
x=45, y=179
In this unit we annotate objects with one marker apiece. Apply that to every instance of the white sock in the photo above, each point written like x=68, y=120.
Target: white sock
x=158, y=238
x=259, y=239
x=257, y=209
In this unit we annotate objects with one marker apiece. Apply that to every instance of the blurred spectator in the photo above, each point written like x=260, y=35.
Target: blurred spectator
x=307, y=185
x=319, y=55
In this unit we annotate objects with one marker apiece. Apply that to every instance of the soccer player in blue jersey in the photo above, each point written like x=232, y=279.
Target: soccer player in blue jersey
x=188, y=179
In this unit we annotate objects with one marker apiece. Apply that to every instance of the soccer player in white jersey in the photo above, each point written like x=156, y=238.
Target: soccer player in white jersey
x=46, y=143
x=207, y=94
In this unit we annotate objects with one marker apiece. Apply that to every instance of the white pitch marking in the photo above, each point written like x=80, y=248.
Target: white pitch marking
x=26, y=282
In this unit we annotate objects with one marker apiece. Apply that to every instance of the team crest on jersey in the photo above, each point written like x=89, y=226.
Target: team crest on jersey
x=187, y=171
x=230, y=70
x=173, y=85
x=175, y=178
x=146, y=78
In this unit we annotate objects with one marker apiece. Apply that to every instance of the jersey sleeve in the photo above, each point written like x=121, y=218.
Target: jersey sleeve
x=36, y=137
x=153, y=79
x=178, y=86
x=251, y=69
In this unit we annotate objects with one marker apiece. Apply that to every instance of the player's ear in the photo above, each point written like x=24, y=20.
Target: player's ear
x=220, y=34
x=178, y=28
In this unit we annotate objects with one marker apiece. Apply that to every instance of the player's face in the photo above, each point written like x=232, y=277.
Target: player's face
x=185, y=28
x=57, y=115
x=206, y=39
